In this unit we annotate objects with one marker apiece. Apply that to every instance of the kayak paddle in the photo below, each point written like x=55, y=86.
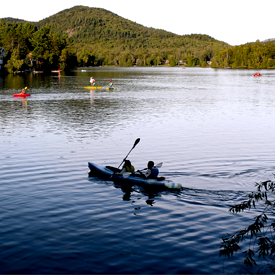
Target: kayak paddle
x=156, y=166
x=127, y=174
x=136, y=142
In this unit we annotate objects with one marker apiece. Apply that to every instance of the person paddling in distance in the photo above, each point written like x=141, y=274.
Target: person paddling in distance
x=92, y=81
x=152, y=172
x=23, y=92
x=110, y=83
x=127, y=167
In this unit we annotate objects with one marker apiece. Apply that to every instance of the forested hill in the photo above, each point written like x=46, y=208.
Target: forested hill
x=100, y=36
x=93, y=36
x=86, y=25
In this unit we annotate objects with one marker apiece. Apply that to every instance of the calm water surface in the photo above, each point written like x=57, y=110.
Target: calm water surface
x=212, y=129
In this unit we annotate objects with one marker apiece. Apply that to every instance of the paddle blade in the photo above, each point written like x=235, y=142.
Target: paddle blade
x=158, y=165
x=26, y=88
x=126, y=174
x=136, y=142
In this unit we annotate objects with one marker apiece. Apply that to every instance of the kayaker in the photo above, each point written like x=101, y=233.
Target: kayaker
x=110, y=82
x=92, y=81
x=152, y=172
x=127, y=167
x=22, y=92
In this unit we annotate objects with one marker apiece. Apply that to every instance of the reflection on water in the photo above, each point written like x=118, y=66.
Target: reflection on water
x=212, y=129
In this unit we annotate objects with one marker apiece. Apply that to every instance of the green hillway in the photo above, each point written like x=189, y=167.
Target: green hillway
x=83, y=36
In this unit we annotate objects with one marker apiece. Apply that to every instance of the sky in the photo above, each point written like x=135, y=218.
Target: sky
x=235, y=22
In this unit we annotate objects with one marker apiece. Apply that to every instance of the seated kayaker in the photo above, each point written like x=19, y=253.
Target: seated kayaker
x=127, y=167
x=152, y=172
x=92, y=80
x=23, y=92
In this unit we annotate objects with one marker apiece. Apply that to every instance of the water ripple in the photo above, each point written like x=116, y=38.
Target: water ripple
x=212, y=129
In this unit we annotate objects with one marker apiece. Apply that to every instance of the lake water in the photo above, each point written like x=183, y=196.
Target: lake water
x=212, y=129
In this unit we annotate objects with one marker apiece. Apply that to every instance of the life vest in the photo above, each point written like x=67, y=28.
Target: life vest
x=154, y=172
x=130, y=169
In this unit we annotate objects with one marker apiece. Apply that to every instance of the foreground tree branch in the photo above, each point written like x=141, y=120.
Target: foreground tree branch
x=258, y=238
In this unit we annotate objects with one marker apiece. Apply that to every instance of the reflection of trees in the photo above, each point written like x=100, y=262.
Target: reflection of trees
x=75, y=115
x=56, y=103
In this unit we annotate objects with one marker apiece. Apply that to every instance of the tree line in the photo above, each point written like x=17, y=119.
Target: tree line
x=260, y=55
x=28, y=47
x=83, y=36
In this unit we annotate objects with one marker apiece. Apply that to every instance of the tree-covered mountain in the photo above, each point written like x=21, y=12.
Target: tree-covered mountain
x=90, y=25
x=83, y=36
x=100, y=36
x=93, y=36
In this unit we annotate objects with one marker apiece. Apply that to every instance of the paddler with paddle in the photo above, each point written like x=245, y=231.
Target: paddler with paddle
x=127, y=163
x=152, y=171
x=127, y=167
x=110, y=83
x=92, y=80
x=23, y=91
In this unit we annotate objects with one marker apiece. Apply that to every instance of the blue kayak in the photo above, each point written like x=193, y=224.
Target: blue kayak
x=109, y=173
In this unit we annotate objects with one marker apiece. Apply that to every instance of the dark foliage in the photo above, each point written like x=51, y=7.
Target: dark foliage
x=99, y=37
x=260, y=55
x=94, y=36
x=258, y=238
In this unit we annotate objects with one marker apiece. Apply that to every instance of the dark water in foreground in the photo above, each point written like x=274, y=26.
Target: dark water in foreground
x=212, y=129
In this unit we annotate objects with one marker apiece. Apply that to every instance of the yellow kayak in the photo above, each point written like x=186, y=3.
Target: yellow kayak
x=93, y=87
x=110, y=88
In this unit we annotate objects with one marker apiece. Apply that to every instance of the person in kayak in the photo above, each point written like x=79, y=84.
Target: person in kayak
x=23, y=92
x=110, y=83
x=127, y=167
x=92, y=80
x=152, y=172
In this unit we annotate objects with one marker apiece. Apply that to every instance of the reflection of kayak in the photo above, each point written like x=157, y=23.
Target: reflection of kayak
x=19, y=95
x=107, y=172
x=110, y=88
x=92, y=87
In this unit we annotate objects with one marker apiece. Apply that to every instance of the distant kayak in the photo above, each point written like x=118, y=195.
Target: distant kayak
x=19, y=95
x=110, y=88
x=257, y=74
x=92, y=87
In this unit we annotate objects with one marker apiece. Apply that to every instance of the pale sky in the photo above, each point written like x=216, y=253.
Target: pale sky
x=234, y=22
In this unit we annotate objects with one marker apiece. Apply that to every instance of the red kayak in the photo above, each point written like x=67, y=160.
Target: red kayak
x=19, y=95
